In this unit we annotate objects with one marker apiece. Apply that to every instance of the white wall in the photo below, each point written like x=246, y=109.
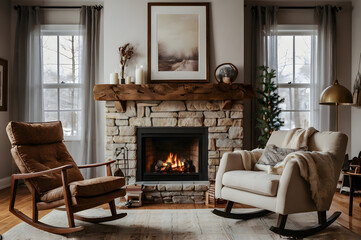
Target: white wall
x=356, y=51
x=126, y=21
x=5, y=159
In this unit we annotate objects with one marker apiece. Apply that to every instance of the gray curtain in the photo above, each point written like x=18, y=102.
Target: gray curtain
x=92, y=136
x=324, y=71
x=26, y=97
x=264, y=52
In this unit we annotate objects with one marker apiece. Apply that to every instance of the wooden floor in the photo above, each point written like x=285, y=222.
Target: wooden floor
x=23, y=202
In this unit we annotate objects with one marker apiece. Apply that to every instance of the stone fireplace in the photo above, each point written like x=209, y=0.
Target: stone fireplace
x=223, y=131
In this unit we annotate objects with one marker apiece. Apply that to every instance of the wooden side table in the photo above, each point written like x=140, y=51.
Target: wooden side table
x=352, y=176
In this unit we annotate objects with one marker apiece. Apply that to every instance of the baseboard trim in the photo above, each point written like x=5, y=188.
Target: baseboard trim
x=5, y=182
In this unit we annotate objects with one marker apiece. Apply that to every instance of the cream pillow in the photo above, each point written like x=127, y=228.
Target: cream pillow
x=271, y=156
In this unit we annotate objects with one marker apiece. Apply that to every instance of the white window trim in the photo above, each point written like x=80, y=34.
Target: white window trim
x=55, y=29
x=297, y=30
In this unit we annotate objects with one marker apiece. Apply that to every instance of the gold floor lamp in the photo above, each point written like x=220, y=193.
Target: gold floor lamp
x=336, y=94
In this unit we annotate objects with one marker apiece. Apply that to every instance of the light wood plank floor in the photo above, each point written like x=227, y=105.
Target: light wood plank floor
x=23, y=202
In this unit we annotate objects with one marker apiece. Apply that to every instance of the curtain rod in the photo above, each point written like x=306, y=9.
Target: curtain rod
x=296, y=7
x=97, y=7
x=338, y=8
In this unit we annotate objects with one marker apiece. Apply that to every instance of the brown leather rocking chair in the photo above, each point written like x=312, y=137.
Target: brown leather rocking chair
x=54, y=179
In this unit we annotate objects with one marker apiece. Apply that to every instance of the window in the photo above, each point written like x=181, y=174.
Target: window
x=294, y=61
x=60, y=74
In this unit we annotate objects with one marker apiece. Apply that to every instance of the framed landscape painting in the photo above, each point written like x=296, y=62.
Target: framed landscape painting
x=3, y=84
x=178, y=48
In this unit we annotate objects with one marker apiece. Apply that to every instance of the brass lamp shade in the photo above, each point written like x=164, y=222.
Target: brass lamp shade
x=336, y=95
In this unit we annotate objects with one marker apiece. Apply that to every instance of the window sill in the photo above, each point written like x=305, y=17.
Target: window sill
x=71, y=140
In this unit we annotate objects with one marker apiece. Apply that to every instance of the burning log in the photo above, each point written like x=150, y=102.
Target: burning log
x=173, y=164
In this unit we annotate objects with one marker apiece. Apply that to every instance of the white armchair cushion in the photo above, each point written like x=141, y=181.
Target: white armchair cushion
x=258, y=182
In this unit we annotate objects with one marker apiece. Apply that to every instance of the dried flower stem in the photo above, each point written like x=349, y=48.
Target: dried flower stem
x=125, y=53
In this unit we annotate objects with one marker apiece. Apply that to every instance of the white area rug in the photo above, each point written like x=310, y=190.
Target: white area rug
x=175, y=224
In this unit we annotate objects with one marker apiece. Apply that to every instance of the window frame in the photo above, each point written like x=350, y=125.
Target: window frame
x=61, y=30
x=296, y=30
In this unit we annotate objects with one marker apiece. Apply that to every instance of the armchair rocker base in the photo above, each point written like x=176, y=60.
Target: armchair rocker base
x=303, y=232
x=103, y=219
x=45, y=227
x=245, y=216
x=280, y=229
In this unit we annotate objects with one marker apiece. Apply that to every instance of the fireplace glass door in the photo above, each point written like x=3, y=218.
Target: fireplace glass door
x=172, y=154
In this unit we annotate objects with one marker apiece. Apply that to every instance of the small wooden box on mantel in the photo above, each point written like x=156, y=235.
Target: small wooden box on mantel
x=173, y=92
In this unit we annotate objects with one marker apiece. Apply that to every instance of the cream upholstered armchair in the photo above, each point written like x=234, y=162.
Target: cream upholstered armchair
x=240, y=180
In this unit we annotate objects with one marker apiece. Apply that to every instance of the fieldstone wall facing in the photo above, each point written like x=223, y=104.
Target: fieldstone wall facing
x=225, y=134
x=186, y=192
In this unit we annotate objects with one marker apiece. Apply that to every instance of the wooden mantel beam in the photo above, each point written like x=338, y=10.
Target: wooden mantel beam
x=173, y=92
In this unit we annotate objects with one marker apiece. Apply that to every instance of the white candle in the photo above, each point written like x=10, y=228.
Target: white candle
x=128, y=80
x=114, y=78
x=139, y=75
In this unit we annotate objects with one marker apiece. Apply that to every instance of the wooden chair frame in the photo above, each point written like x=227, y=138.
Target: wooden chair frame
x=70, y=209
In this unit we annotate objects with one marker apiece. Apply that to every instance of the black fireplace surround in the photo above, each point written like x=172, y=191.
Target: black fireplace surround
x=172, y=154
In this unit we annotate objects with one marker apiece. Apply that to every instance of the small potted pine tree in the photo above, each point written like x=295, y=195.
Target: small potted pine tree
x=268, y=110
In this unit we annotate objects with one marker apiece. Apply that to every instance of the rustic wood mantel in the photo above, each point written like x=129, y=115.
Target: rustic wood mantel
x=172, y=92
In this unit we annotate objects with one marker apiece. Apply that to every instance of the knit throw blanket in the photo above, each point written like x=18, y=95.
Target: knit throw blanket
x=297, y=138
x=317, y=168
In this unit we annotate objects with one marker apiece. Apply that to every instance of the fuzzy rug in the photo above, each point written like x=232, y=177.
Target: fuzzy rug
x=175, y=224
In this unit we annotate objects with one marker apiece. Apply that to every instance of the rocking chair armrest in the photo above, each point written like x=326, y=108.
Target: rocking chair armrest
x=41, y=173
x=230, y=161
x=108, y=168
x=96, y=164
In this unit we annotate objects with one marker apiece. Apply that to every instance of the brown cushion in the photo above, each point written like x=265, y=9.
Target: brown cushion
x=20, y=133
x=86, y=188
x=95, y=201
x=36, y=158
x=39, y=147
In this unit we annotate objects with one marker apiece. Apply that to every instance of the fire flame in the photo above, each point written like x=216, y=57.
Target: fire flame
x=174, y=162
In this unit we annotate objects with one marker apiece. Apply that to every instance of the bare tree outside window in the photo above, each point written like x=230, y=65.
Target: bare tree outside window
x=61, y=81
x=294, y=78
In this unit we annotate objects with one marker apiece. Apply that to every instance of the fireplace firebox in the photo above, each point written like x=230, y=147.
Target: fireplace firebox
x=172, y=153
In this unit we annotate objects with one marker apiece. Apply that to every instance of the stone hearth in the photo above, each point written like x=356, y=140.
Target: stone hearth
x=225, y=134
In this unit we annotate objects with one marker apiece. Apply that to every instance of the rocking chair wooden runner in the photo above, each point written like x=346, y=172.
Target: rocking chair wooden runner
x=54, y=179
x=283, y=194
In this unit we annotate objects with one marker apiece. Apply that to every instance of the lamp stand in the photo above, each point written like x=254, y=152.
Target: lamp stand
x=336, y=117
